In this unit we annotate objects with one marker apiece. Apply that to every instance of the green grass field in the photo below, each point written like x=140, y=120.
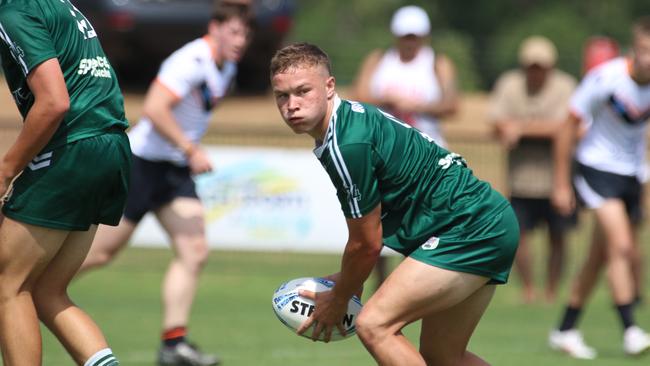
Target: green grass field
x=233, y=316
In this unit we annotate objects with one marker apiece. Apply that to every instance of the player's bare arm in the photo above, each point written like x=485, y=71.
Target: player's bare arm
x=158, y=106
x=50, y=106
x=563, y=198
x=361, y=252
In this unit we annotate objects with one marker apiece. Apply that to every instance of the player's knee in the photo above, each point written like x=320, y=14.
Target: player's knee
x=194, y=253
x=622, y=250
x=369, y=327
x=11, y=287
x=99, y=259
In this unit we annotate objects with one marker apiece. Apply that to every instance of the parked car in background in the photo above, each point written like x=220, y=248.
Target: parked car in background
x=138, y=34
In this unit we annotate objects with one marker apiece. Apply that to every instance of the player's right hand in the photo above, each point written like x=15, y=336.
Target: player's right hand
x=199, y=162
x=327, y=315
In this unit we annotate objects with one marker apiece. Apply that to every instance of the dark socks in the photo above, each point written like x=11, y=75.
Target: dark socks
x=570, y=318
x=625, y=313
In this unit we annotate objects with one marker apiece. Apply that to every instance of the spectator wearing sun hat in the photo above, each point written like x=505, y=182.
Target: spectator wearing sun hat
x=527, y=107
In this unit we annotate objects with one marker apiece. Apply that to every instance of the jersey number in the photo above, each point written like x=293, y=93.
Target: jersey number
x=83, y=24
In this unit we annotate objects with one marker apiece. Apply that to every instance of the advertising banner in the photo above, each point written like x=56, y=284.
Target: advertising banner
x=264, y=199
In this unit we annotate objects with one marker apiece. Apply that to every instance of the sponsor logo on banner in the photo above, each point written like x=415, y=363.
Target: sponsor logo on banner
x=255, y=198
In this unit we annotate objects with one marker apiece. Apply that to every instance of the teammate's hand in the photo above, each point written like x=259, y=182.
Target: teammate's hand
x=328, y=313
x=199, y=161
x=564, y=200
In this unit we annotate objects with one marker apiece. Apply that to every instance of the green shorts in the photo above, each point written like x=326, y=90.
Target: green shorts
x=74, y=186
x=487, y=250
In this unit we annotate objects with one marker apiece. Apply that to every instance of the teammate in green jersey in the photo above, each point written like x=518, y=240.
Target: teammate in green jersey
x=398, y=188
x=66, y=172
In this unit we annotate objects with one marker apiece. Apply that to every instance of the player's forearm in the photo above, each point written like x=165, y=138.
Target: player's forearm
x=358, y=261
x=39, y=126
x=165, y=124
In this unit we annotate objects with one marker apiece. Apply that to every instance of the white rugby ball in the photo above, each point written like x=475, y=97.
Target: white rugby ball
x=293, y=309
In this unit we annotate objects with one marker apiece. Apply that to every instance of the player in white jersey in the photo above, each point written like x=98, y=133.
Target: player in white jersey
x=166, y=154
x=609, y=159
x=410, y=81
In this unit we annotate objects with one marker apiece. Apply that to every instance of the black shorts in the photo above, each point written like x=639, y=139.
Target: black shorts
x=154, y=184
x=531, y=211
x=594, y=186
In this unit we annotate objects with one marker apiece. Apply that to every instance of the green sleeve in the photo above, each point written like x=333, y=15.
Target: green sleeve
x=27, y=37
x=352, y=170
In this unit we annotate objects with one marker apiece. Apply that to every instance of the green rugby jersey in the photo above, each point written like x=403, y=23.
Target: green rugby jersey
x=34, y=31
x=425, y=190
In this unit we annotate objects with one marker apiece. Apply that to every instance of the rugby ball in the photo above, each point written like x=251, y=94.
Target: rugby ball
x=293, y=309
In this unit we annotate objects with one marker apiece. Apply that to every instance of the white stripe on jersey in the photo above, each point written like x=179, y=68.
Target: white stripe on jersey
x=14, y=52
x=342, y=169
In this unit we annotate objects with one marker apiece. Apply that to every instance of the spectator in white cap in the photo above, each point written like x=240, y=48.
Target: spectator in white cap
x=409, y=80
x=527, y=107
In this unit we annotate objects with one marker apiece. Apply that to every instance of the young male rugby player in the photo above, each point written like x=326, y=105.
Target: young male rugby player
x=397, y=187
x=70, y=168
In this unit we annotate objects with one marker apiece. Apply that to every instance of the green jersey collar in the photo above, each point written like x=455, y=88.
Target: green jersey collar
x=318, y=150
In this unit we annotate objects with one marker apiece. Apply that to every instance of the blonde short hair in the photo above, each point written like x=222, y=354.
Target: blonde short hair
x=298, y=55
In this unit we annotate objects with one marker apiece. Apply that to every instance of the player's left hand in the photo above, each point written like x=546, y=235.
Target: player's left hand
x=199, y=161
x=328, y=313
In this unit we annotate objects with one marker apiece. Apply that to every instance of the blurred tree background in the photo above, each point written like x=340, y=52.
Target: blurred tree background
x=481, y=37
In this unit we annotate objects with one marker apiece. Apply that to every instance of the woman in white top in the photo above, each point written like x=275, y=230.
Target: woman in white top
x=409, y=79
